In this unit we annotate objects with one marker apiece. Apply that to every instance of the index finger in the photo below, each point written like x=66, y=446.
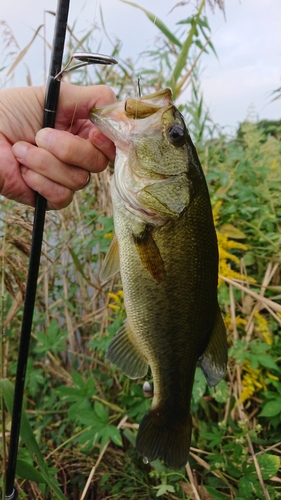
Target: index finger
x=77, y=101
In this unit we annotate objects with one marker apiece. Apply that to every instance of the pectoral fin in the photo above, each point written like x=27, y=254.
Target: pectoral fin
x=150, y=255
x=111, y=263
x=213, y=362
x=125, y=354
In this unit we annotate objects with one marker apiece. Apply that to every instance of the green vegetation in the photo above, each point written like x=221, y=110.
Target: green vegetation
x=81, y=414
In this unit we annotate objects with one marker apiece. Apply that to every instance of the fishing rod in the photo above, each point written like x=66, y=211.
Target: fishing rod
x=50, y=108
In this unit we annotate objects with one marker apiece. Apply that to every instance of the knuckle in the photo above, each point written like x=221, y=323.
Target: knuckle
x=67, y=150
x=98, y=162
x=101, y=163
x=83, y=180
x=61, y=197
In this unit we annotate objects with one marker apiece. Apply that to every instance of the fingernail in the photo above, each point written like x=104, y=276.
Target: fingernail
x=19, y=150
x=43, y=138
x=100, y=140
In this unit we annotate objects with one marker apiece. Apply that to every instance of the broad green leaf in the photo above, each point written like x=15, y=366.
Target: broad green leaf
x=89, y=418
x=269, y=465
x=155, y=20
x=221, y=392
x=7, y=389
x=259, y=347
x=271, y=409
x=267, y=361
x=199, y=385
x=26, y=471
x=248, y=487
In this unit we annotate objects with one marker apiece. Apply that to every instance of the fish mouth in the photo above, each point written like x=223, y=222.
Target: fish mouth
x=119, y=120
x=142, y=107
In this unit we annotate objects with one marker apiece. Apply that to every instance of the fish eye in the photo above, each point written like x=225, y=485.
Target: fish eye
x=176, y=135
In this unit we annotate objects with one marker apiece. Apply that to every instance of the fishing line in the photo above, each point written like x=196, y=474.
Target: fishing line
x=74, y=111
x=2, y=345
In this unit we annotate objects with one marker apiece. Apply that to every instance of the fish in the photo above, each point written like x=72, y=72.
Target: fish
x=165, y=248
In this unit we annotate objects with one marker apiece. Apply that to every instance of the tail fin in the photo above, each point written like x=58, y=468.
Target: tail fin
x=169, y=441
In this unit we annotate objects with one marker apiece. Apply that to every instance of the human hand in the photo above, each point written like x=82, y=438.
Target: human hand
x=65, y=156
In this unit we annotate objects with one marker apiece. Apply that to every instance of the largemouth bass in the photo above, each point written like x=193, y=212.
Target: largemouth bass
x=165, y=247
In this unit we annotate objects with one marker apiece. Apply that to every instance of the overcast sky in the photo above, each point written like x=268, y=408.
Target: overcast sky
x=248, y=44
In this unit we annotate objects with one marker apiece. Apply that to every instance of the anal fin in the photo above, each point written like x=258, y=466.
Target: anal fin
x=125, y=354
x=213, y=361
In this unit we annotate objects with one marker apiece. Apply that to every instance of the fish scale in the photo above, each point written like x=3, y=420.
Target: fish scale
x=165, y=247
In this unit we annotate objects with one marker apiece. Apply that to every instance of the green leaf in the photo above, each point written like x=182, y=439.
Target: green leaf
x=215, y=494
x=248, y=486
x=101, y=411
x=199, y=385
x=53, y=340
x=115, y=435
x=28, y=438
x=271, y=408
x=221, y=392
x=77, y=262
x=27, y=471
x=259, y=347
x=164, y=488
x=182, y=58
x=267, y=361
x=154, y=19
x=89, y=417
x=269, y=465
x=130, y=436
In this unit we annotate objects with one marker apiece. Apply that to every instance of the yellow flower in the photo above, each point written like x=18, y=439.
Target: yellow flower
x=109, y=235
x=118, y=299
x=216, y=212
x=252, y=381
x=114, y=306
x=225, y=257
x=114, y=296
x=273, y=377
x=238, y=321
x=263, y=327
